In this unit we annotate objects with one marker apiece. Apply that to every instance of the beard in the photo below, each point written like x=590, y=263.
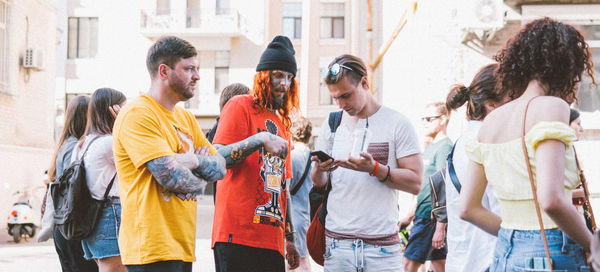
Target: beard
x=184, y=91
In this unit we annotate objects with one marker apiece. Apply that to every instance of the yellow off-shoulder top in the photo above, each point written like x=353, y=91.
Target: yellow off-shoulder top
x=506, y=170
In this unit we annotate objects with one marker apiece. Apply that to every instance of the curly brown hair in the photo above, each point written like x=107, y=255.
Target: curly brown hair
x=546, y=50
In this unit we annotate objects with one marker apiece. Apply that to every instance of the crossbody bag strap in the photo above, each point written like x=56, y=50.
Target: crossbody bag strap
x=301, y=181
x=451, y=171
x=533, y=188
x=586, y=192
x=335, y=119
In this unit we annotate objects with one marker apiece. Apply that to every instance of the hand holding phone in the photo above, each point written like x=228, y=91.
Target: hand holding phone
x=323, y=157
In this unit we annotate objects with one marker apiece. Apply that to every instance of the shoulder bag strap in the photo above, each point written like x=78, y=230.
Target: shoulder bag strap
x=586, y=192
x=109, y=186
x=301, y=181
x=335, y=119
x=86, y=148
x=533, y=189
x=451, y=171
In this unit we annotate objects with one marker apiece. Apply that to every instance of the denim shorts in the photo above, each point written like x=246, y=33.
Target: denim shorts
x=419, y=247
x=356, y=255
x=523, y=250
x=103, y=242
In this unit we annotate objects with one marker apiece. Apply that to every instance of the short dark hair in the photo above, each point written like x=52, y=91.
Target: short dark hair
x=232, y=90
x=359, y=69
x=168, y=50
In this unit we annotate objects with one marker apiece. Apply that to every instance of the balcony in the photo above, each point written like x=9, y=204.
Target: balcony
x=195, y=24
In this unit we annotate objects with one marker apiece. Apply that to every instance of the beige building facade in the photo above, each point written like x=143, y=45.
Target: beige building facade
x=27, y=73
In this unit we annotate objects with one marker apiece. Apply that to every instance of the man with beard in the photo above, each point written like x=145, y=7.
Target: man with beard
x=251, y=210
x=427, y=238
x=163, y=160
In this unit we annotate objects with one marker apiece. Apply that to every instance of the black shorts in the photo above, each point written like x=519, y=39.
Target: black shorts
x=419, y=247
x=231, y=257
x=175, y=266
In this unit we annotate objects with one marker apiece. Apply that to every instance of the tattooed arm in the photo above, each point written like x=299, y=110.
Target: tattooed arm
x=174, y=176
x=237, y=152
x=211, y=167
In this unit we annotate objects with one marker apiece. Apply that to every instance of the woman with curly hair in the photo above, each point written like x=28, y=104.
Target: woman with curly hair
x=539, y=69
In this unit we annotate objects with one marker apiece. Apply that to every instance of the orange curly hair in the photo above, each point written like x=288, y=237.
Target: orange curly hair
x=261, y=91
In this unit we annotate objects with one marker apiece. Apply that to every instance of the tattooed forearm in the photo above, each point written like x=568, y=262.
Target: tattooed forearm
x=237, y=152
x=173, y=176
x=211, y=168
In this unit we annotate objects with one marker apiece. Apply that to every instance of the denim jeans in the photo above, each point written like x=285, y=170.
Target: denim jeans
x=103, y=241
x=356, y=255
x=520, y=250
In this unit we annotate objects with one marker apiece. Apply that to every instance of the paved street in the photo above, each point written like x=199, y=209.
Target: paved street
x=33, y=256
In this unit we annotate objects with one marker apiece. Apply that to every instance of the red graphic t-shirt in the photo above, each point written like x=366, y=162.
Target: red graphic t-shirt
x=251, y=199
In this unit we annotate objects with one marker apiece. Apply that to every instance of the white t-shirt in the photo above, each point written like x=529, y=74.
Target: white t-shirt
x=99, y=165
x=359, y=204
x=469, y=247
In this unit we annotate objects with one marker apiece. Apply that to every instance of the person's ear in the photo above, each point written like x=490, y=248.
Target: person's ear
x=163, y=71
x=364, y=82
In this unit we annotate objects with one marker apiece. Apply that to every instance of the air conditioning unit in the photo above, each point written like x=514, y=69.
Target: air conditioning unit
x=33, y=59
x=481, y=14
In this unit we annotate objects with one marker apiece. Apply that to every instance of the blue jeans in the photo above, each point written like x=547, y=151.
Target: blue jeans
x=103, y=242
x=521, y=250
x=356, y=255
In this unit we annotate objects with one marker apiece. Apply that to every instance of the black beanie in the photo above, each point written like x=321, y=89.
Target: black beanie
x=279, y=55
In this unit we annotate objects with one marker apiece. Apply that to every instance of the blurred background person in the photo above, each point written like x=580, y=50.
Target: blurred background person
x=70, y=252
x=102, y=244
x=427, y=238
x=470, y=248
x=300, y=187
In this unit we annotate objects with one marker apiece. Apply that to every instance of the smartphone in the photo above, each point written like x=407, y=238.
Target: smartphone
x=321, y=155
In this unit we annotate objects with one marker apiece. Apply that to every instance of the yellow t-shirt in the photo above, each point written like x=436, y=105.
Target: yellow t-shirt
x=156, y=224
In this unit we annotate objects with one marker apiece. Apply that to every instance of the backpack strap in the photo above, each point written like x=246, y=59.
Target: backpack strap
x=451, y=170
x=109, y=186
x=301, y=181
x=335, y=119
x=86, y=148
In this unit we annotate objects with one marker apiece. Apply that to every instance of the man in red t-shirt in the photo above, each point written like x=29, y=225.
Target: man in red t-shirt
x=251, y=230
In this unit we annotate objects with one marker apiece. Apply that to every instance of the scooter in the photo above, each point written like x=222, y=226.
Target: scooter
x=22, y=221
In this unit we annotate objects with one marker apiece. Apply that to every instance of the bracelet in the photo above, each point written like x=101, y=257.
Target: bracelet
x=386, y=176
x=374, y=173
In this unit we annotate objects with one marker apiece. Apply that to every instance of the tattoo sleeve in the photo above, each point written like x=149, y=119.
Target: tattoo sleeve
x=173, y=176
x=237, y=152
x=210, y=168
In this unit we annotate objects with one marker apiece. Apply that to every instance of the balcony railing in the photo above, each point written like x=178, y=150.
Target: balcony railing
x=209, y=20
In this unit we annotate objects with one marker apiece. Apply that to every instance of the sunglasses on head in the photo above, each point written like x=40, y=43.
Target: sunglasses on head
x=335, y=70
x=430, y=118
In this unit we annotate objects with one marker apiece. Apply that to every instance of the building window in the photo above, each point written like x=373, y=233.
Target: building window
x=221, y=70
x=3, y=45
x=292, y=20
x=588, y=97
x=163, y=7
x=324, y=96
x=332, y=20
x=83, y=37
x=223, y=7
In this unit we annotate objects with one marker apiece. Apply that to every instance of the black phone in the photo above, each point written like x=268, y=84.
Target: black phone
x=321, y=155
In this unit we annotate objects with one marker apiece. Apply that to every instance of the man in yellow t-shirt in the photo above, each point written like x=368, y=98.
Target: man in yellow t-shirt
x=163, y=160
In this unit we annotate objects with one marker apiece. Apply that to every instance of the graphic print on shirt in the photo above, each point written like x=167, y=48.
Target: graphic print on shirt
x=185, y=143
x=271, y=185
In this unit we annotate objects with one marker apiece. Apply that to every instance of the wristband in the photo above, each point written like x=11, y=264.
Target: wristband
x=374, y=173
x=386, y=176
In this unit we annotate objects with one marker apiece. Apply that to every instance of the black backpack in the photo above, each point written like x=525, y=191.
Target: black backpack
x=76, y=213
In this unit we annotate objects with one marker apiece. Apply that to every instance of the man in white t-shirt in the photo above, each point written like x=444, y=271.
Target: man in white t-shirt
x=362, y=211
